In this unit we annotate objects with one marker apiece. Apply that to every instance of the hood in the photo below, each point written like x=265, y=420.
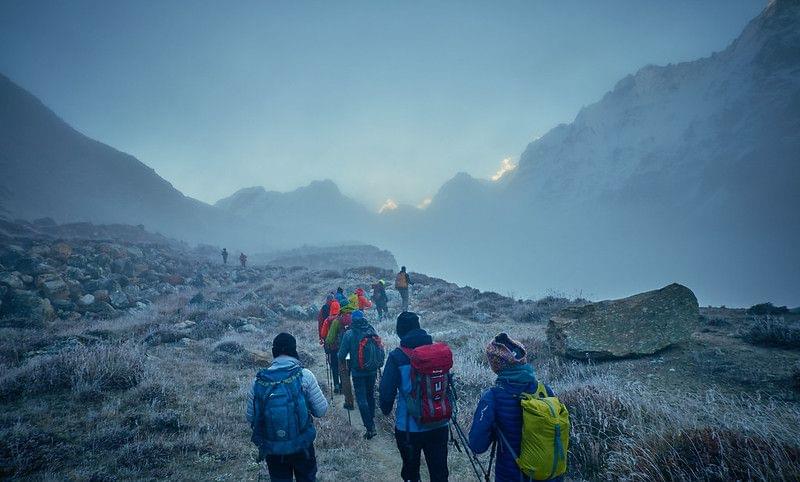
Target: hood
x=360, y=292
x=416, y=337
x=517, y=376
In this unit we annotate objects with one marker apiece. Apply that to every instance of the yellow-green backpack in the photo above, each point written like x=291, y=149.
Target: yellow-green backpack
x=545, y=436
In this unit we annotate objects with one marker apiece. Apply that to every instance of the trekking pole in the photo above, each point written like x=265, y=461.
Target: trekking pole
x=491, y=460
x=477, y=466
x=329, y=374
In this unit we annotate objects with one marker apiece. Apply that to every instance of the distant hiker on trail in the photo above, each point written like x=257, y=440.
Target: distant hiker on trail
x=243, y=259
x=365, y=349
x=416, y=432
x=521, y=415
x=380, y=299
x=401, y=283
x=280, y=406
x=328, y=313
x=363, y=302
x=224, y=256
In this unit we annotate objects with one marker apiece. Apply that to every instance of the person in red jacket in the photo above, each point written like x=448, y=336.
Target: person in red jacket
x=363, y=302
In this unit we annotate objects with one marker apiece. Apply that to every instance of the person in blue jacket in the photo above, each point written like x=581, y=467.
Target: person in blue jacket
x=499, y=407
x=412, y=439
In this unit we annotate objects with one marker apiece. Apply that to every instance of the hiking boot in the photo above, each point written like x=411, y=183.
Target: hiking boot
x=370, y=434
x=348, y=406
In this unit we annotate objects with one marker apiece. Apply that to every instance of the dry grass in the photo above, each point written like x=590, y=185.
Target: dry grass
x=774, y=332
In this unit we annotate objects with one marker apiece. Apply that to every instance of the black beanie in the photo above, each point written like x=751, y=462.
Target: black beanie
x=407, y=321
x=284, y=344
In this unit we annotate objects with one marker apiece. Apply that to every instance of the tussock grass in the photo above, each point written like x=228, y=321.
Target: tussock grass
x=773, y=331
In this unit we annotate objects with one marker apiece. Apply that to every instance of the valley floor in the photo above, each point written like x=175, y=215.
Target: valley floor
x=160, y=391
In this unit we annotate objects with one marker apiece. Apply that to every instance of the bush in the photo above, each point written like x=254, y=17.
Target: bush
x=25, y=449
x=710, y=454
x=83, y=369
x=600, y=421
x=763, y=309
x=774, y=332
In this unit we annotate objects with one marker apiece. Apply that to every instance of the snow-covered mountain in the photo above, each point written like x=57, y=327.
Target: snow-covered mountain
x=687, y=172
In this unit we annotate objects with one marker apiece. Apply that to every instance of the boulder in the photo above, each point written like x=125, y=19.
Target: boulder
x=28, y=307
x=297, y=312
x=86, y=300
x=118, y=300
x=62, y=251
x=102, y=295
x=11, y=280
x=640, y=325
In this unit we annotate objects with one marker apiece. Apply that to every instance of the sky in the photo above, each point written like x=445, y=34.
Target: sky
x=387, y=99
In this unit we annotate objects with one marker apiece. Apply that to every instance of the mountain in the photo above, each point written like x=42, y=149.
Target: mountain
x=51, y=170
x=317, y=213
x=686, y=172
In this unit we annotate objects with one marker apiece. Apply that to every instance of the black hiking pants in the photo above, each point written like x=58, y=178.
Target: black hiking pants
x=433, y=444
x=301, y=466
x=334, y=363
x=364, y=388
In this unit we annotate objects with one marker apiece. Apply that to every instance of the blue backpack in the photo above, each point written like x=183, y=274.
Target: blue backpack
x=281, y=422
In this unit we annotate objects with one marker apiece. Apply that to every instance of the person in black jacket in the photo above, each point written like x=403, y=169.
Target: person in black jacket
x=411, y=438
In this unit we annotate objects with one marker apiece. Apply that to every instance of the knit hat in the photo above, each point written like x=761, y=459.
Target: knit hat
x=360, y=291
x=503, y=352
x=329, y=297
x=407, y=321
x=284, y=344
x=357, y=315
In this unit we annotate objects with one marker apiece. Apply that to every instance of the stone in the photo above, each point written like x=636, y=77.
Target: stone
x=86, y=300
x=119, y=300
x=174, y=279
x=297, y=312
x=55, y=289
x=11, y=280
x=640, y=325
x=102, y=296
x=28, y=307
x=184, y=325
x=62, y=251
x=197, y=299
x=248, y=328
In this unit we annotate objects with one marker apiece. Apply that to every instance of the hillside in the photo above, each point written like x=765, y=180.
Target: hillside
x=51, y=170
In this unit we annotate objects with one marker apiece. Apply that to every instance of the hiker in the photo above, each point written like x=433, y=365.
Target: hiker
x=365, y=349
x=363, y=302
x=380, y=299
x=333, y=330
x=412, y=436
x=224, y=256
x=341, y=297
x=286, y=388
x=401, y=283
x=329, y=312
x=243, y=259
x=499, y=416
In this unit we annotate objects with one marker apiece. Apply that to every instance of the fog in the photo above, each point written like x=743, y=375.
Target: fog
x=279, y=126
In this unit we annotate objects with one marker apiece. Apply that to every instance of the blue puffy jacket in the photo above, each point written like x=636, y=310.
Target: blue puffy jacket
x=397, y=379
x=499, y=408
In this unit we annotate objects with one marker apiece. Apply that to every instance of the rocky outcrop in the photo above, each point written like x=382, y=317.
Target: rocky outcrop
x=640, y=325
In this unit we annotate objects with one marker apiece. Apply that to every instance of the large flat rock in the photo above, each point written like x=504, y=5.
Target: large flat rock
x=640, y=325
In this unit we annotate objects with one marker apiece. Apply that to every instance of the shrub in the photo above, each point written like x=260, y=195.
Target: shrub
x=83, y=369
x=600, y=421
x=763, y=309
x=775, y=332
x=25, y=449
x=710, y=454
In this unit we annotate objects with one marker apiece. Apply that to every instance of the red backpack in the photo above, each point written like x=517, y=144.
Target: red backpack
x=429, y=401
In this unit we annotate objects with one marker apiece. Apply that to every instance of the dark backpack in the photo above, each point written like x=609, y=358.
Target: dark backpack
x=371, y=353
x=429, y=400
x=281, y=422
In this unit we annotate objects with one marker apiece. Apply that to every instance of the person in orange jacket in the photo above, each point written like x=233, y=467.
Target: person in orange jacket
x=363, y=302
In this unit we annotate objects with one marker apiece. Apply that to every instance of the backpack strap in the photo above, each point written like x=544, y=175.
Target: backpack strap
x=541, y=391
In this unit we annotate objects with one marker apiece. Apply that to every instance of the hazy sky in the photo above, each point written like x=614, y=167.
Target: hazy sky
x=388, y=99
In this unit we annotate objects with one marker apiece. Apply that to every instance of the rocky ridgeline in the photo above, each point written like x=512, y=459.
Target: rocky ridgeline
x=41, y=280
